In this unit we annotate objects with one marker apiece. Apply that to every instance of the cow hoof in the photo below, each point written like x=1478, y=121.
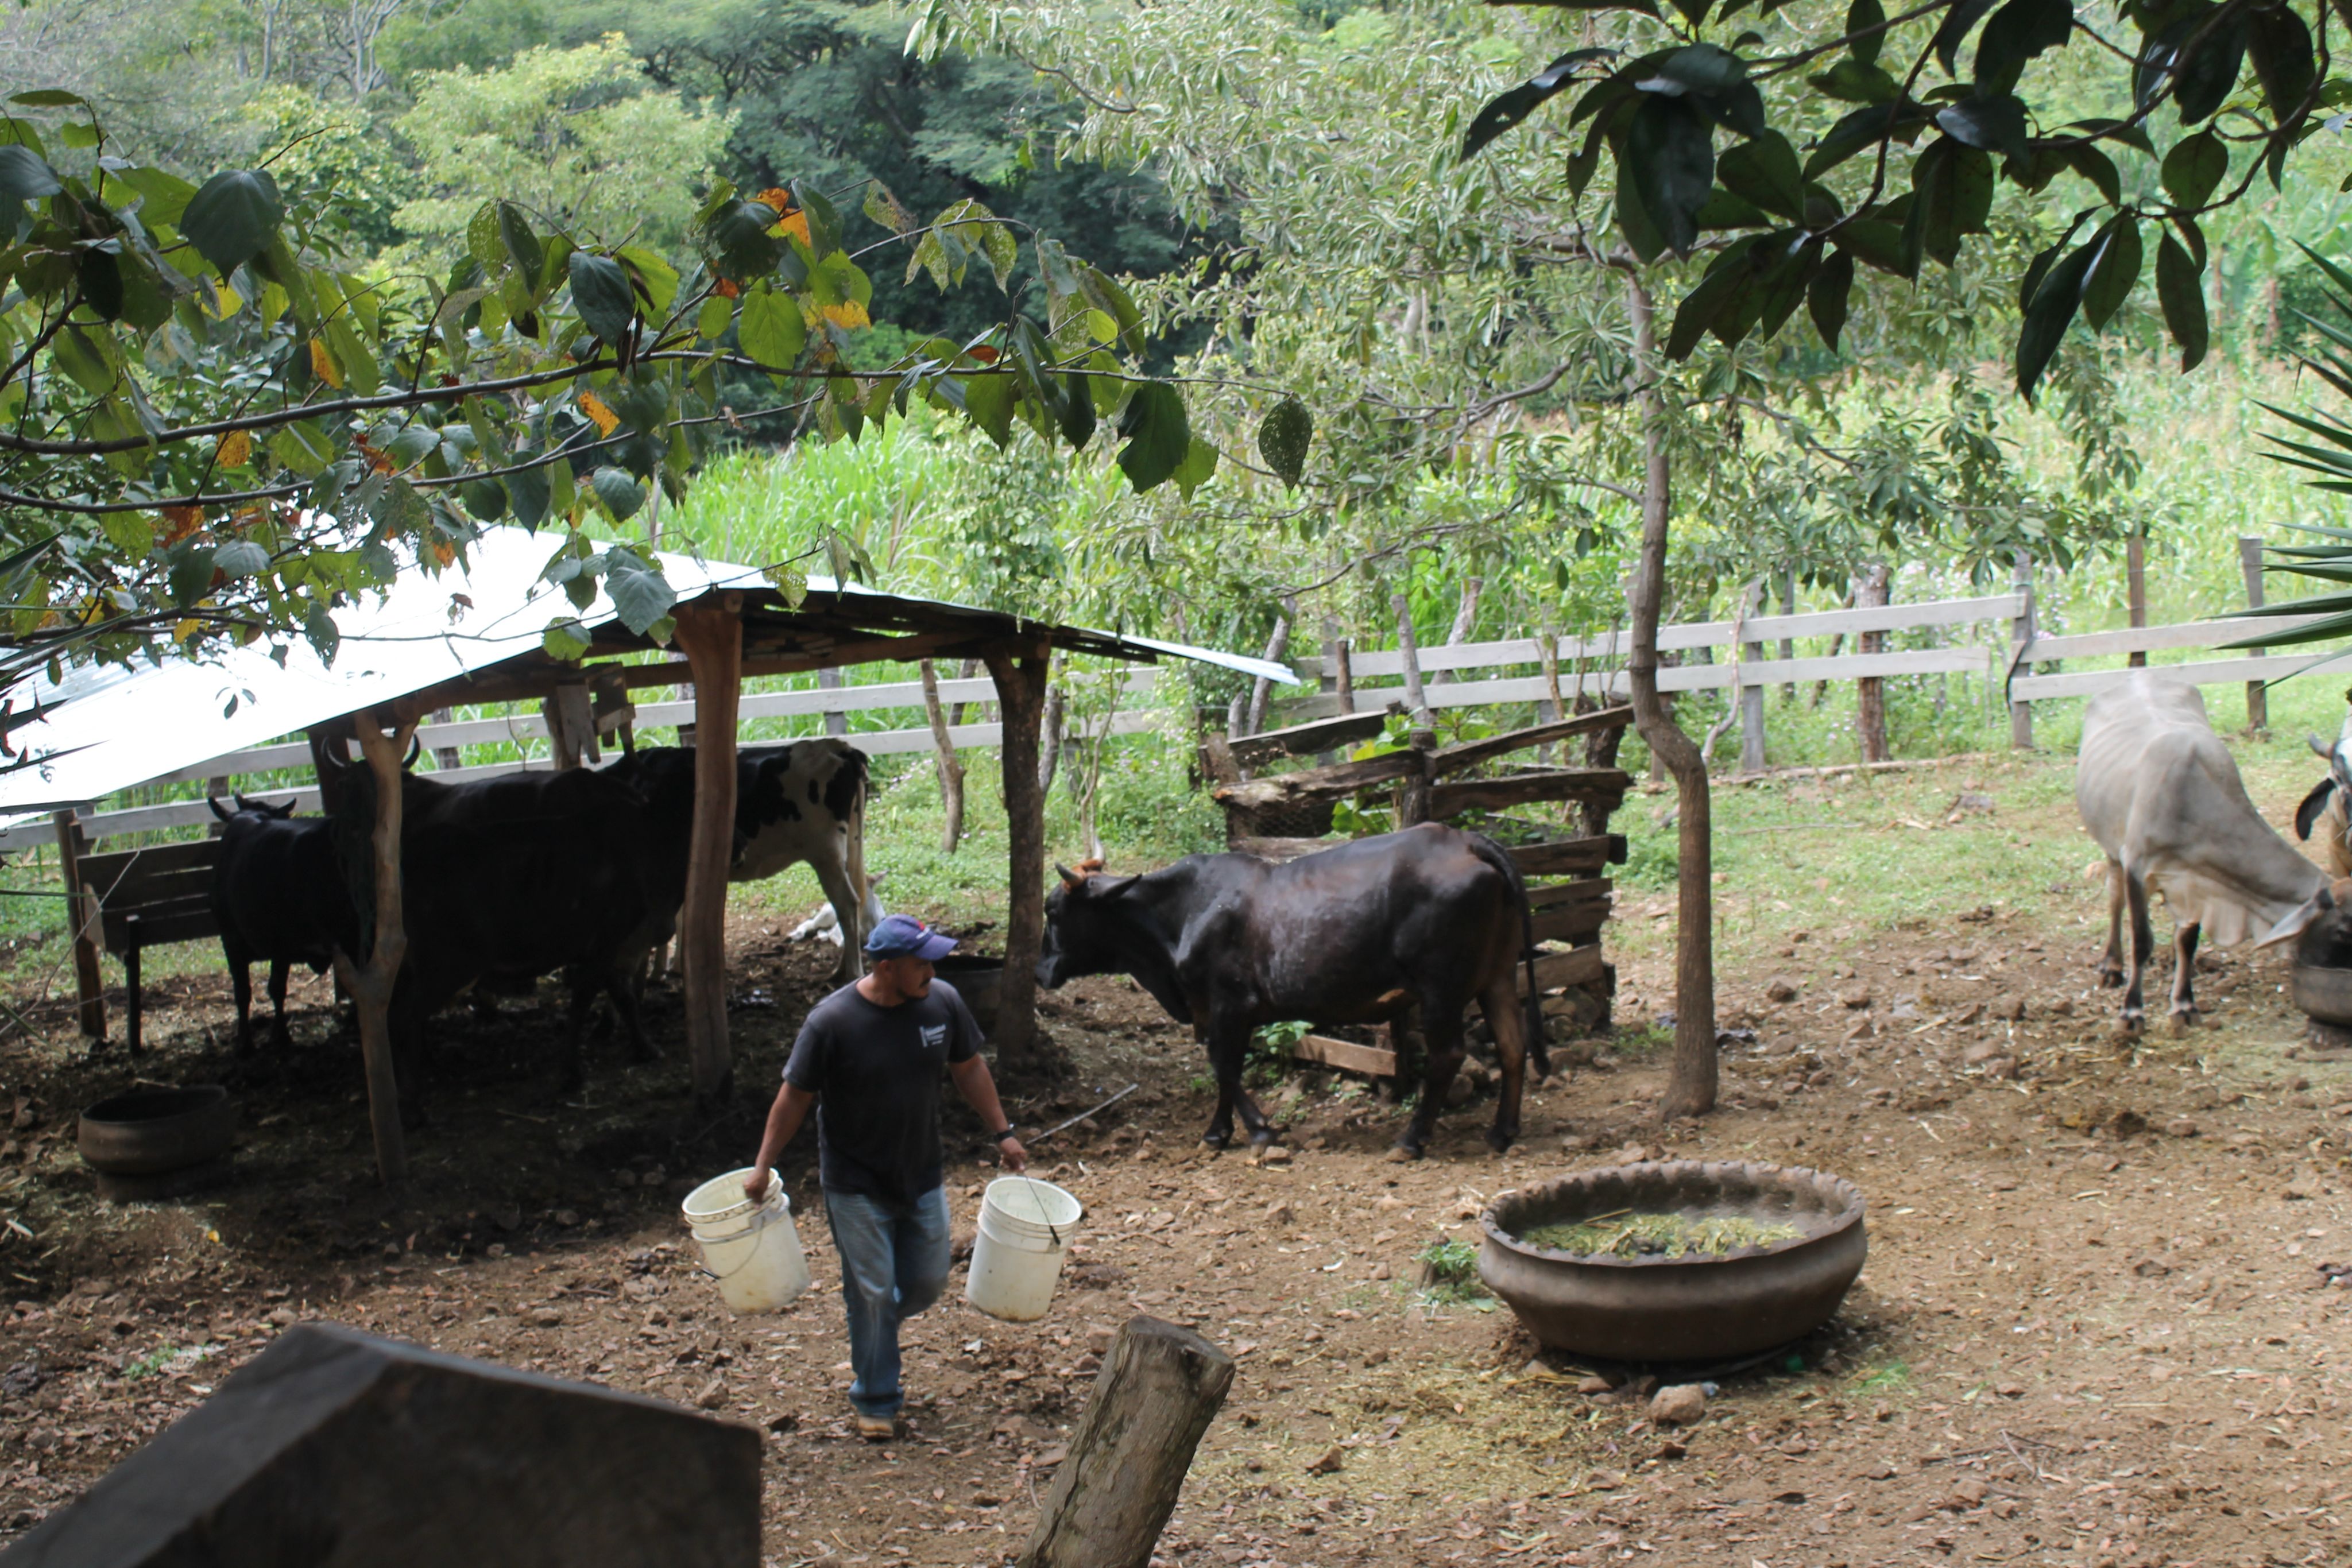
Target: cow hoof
x=2110, y=979
x=2183, y=1020
x=1402, y=1153
x=1216, y=1140
x=1501, y=1142
x=1262, y=1137
x=2131, y=1022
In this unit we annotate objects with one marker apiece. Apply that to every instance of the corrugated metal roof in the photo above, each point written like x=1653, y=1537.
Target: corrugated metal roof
x=115, y=727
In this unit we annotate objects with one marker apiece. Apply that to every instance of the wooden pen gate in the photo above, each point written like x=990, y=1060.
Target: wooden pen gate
x=1567, y=885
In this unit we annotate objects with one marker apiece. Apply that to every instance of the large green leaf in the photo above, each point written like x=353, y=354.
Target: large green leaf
x=2019, y=31
x=2114, y=272
x=2194, y=166
x=1506, y=110
x=1283, y=436
x=2281, y=46
x=1764, y=171
x=619, y=493
x=1993, y=121
x=1158, y=434
x=602, y=293
x=1828, y=297
x=641, y=595
x=2180, y=289
x=769, y=327
x=1200, y=462
x=1670, y=151
x=2050, y=314
x=25, y=177
x=233, y=217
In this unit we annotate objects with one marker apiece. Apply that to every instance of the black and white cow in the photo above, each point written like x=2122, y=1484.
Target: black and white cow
x=806, y=801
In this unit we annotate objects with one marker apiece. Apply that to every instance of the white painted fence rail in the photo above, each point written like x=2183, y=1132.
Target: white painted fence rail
x=238, y=767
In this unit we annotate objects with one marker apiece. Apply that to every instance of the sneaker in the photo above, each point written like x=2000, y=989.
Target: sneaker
x=876, y=1428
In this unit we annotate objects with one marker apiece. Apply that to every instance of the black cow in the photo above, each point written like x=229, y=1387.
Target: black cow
x=278, y=895
x=526, y=875
x=1430, y=917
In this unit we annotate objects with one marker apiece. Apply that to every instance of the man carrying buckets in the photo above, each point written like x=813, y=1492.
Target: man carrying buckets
x=868, y=1056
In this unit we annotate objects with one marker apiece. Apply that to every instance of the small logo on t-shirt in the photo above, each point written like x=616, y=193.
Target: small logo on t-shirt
x=935, y=1036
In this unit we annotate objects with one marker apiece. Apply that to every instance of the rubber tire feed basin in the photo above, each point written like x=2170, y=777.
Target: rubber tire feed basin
x=1706, y=1308
x=158, y=1143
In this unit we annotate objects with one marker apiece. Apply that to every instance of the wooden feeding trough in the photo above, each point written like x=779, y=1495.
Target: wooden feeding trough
x=1281, y=816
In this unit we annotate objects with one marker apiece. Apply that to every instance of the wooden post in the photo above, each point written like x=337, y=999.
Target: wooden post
x=218, y=788
x=1870, y=704
x=1345, y=675
x=944, y=758
x=1049, y=739
x=1413, y=794
x=1416, y=700
x=2020, y=637
x=710, y=633
x=1554, y=706
x=1788, y=644
x=446, y=758
x=371, y=983
x=1158, y=1391
x=2250, y=561
x=82, y=905
x=1751, y=695
x=2135, y=584
x=828, y=679
x=1020, y=673
x=1328, y=680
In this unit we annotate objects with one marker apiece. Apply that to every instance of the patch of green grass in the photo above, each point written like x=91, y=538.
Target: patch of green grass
x=1886, y=1378
x=1449, y=1274
x=157, y=1360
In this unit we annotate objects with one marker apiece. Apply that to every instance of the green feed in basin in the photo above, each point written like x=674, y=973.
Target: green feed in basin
x=1627, y=1234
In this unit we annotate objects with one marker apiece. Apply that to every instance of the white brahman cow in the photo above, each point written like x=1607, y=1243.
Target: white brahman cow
x=2161, y=793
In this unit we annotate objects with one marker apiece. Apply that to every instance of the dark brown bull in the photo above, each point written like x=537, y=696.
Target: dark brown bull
x=1431, y=918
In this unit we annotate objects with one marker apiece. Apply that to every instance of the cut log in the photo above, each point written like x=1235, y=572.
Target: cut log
x=333, y=1445
x=1569, y=857
x=1608, y=784
x=1319, y=783
x=1305, y=740
x=1346, y=1055
x=1158, y=1391
x=1453, y=759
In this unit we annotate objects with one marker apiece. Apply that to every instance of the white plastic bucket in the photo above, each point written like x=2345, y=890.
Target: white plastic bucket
x=750, y=1248
x=1024, y=1227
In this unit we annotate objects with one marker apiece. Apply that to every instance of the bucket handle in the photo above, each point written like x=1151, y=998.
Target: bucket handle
x=1050, y=1230
x=748, y=1257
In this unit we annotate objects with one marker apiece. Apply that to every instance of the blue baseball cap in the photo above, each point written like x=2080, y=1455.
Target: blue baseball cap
x=904, y=936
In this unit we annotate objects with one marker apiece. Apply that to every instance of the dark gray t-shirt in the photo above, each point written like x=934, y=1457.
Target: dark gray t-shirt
x=875, y=1070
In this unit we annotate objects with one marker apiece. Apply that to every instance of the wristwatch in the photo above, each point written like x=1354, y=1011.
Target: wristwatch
x=1008, y=1131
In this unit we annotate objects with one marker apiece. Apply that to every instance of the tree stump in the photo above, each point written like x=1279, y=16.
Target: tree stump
x=1158, y=1391
x=339, y=1450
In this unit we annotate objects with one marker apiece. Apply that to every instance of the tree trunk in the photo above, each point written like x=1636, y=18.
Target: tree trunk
x=1276, y=646
x=1691, y=1086
x=1465, y=617
x=1049, y=741
x=711, y=634
x=1416, y=699
x=1870, y=691
x=1021, y=697
x=1158, y=1391
x=943, y=756
x=371, y=984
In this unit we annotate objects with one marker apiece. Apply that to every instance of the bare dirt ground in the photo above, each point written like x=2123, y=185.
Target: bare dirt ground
x=2094, y=1329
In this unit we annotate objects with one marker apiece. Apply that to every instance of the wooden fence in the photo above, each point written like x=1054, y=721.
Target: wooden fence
x=236, y=767
x=2010, y=654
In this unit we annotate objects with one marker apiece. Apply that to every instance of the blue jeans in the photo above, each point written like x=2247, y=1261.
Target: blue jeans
x=894, y=1263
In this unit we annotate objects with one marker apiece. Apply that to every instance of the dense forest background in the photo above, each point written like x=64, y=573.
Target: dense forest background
x=1278, y=182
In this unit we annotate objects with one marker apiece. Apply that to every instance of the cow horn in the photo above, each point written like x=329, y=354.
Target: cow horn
x=214, y=801
x=415, y=751
x=1069, y=877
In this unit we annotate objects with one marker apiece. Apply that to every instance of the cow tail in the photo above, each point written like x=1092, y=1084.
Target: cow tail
x=855, y=926
x=1496, y=855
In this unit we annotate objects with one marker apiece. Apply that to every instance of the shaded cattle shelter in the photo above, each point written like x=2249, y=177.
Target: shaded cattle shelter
x=472, y=636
